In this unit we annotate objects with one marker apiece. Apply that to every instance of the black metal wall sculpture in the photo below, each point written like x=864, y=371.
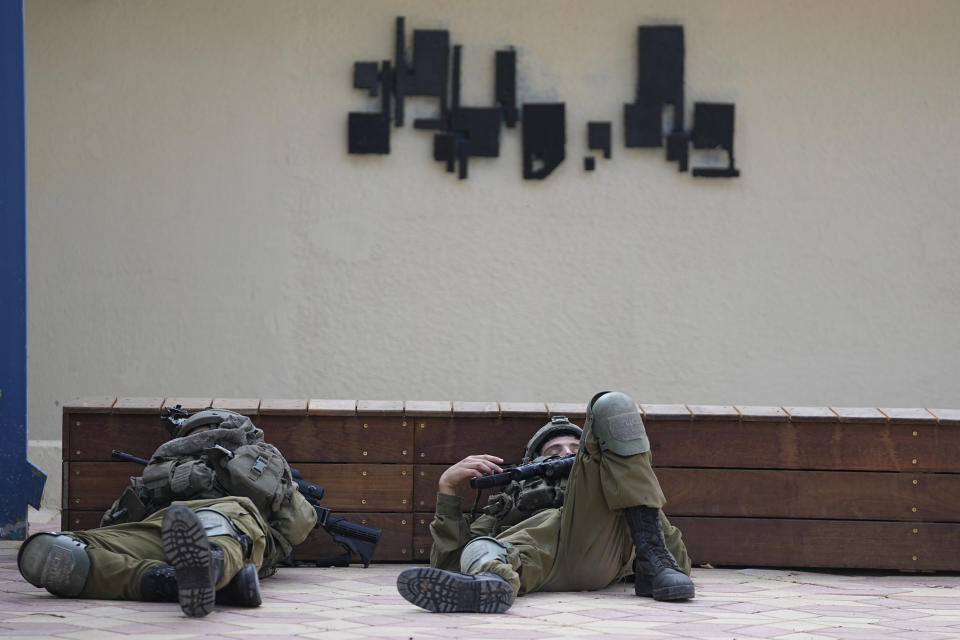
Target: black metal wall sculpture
x=464, y=132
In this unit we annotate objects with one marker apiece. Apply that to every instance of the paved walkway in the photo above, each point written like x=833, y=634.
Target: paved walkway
x=349, y=603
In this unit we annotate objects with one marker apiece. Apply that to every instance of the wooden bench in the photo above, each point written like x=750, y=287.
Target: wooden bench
x=757, y=486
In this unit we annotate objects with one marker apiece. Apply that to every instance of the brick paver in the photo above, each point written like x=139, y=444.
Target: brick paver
x=353, y=603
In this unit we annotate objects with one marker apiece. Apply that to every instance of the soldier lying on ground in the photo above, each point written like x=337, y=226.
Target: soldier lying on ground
x=215, y=510
x=603, y=525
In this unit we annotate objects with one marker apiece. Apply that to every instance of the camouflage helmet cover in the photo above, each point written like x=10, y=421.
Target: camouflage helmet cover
x=208, y=418
x=558, y=426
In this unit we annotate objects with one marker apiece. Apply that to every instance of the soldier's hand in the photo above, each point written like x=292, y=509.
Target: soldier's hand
x=469, y=467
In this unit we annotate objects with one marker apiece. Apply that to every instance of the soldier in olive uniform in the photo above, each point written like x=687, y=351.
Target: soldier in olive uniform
x=605, y=523
x=215, y=510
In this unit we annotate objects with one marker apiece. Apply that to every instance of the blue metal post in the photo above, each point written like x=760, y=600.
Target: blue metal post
x=20, y=481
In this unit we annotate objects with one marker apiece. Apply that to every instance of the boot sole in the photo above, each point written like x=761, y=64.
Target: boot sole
x=447, y=592
x=188, y=550
x=676, y=592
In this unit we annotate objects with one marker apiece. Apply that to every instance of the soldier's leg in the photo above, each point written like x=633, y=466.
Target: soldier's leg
x=630, y=487
x=127, y=561
x=211, y=554
x=474, y=589
x=99, y=563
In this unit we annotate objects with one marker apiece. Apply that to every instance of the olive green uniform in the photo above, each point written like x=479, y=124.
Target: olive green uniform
x=585, y=544
x=121, y=554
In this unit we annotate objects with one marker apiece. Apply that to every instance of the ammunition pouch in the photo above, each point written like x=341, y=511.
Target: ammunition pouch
x=131, y=506
x=256, y=471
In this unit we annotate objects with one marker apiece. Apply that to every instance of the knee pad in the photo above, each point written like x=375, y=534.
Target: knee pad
x=56, y=562
x=617, y=424
x=216, y=523
x=481, y=550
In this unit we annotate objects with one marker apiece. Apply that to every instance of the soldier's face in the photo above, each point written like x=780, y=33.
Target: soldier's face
x=560, y=446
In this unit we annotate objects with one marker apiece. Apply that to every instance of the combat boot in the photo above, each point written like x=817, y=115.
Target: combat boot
x=451, y=592
x=160, y=585
x=197, y=562
x=243, y=590
x=657, y=573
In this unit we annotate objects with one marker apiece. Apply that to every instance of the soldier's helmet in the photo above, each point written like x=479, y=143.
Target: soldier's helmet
x=211, y=418
x=558, y=426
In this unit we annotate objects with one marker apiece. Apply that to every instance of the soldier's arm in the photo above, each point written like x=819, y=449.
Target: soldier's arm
x=451, y=529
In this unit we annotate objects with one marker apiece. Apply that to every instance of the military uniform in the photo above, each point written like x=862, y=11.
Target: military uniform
x=214, y=511
x=121, y=554
x=585, y=544
x=610, y=525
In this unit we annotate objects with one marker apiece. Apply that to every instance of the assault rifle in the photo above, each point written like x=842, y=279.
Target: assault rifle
x=174, y=418
x=355, y=538
x=551, y=469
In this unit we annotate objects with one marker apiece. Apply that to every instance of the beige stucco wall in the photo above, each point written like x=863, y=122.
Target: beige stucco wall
x=197, y=227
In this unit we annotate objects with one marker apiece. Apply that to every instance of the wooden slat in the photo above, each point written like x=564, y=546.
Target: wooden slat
x=831, y=495
x=138, y=405
x=385, y=487
x=283, y=407
x=946, y=416
x=908, y=416
x=825, y=446
x=416, y=408
x=475, y=409
x=666, y=412
x=575, y=411
x=318, y=407
x=95, y=485
x=852, y=414
x=379, y=407
x=78, y=520
x=425, y=479
x=713, y=412
x=364, y=439
x=524, y=410
x=811, y=414
x=89, y=404
x=440, y=441
x=189, y=404
x=93, y=436
x=396, y=538
x=245, y=406
x=762, y=414
x=422, y=540
x=821, y=543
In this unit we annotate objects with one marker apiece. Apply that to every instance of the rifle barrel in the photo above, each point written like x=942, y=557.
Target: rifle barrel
x=127, y=457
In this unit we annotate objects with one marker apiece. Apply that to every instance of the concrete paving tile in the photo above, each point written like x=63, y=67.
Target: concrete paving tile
x=758, y=631
x=922, y=635
x=40, y=629
x=790, y=614
x=804, y=636
x=333, y=635
x=272, y=629
x=97, y=634
x=620, y=628
x=800, y=625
